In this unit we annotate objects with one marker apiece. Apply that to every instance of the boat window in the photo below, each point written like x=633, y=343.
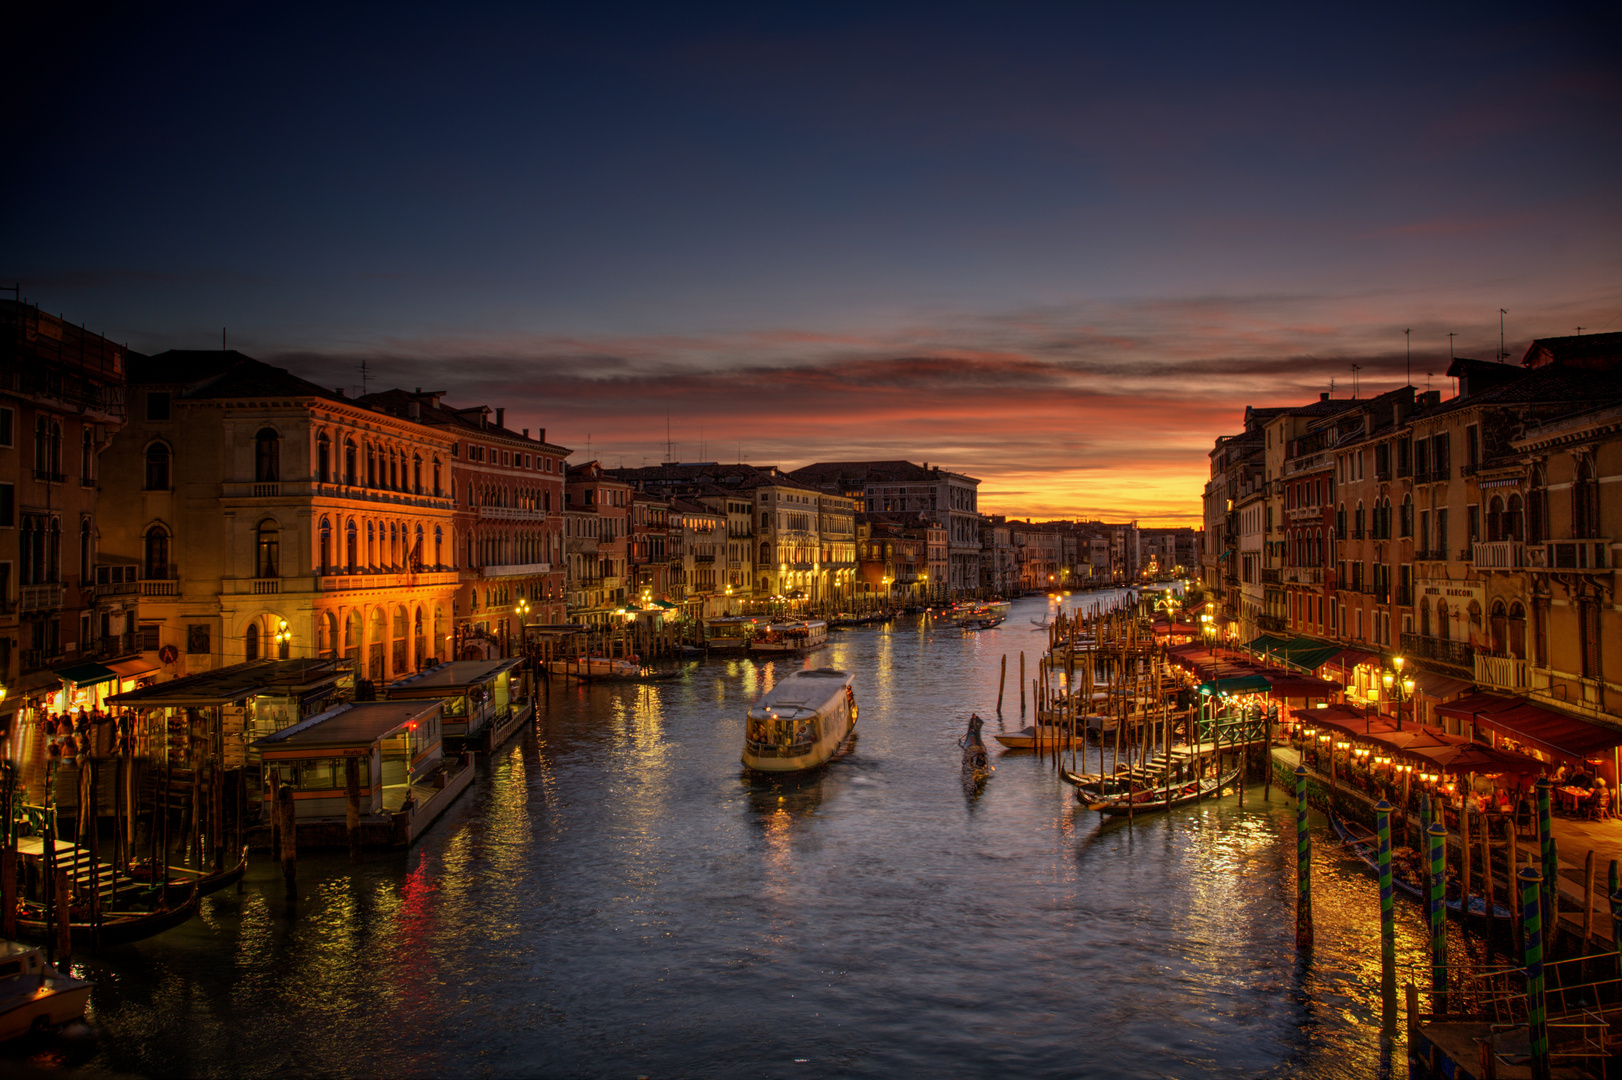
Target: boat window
x=456, y=706
x=13, y=967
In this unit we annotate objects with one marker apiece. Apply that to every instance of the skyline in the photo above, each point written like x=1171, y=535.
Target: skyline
x=1015, y=247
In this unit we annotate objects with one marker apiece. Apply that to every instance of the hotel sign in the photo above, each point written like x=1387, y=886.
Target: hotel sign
x=1452, y=590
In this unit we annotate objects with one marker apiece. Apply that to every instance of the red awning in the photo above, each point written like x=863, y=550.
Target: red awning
x=1468, y=708
x=1440, y=687
x=1571, y=736
x=1471, y=758
x=1347, y=659
x=1289, y=684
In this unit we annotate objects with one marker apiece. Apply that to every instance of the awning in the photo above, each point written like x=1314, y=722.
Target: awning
x=1237, y=684
x=1440, y=687
x=1571, y=736
x=1289, y=685
x=85, y=674
x=1308, y=658
x=1347, y=659
x=1468, y=708
x=1268, y=643
x=666, y=604
x=132, y=668
x=1470, y=758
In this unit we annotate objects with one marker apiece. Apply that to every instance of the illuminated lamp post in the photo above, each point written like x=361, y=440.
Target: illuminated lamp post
x=1398, y=688
x=1208, y=628
x=284, y=639
x=522, y=609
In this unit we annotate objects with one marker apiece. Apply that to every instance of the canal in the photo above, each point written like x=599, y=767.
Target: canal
x=615, y=898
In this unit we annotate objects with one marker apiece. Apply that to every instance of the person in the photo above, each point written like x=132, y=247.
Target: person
x=1600, y=800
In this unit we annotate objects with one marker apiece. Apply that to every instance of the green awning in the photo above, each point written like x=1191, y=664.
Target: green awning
x=1268, y=643
x=1307, y=657
x=666, y=604
x=86, y=674
x=1238, y=684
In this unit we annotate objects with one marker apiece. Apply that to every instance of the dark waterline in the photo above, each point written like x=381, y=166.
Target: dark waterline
x=614, y=897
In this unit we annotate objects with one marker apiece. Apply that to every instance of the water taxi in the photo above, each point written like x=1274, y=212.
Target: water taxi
x=730, y=633
x=801, y=722
x=34, y=996
x=790, y=637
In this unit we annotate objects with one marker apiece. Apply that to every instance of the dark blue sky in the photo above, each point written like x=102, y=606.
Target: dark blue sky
x=998, y=237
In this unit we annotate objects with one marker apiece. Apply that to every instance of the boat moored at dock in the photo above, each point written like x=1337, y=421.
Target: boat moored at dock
x=801, y=722
x=34, y=996
x=799, y=635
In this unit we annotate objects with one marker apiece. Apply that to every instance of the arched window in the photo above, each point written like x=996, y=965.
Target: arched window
x=157, y=467
x=324, y=546
x=371, y=544
x=87, y=456
x=1406, y=524
x=86, y=555
x=1424, y=618
x=765, y=553
x=1537, y=508
x=1585, y=500
x=351, y=546
x=1517, y=631
x=250, y=642
x=1495, y=519
x=267, y=560
x=156, y=553
x=267, y=456
x=437, y=490
x=439, y=540
x=323, y=458
x=1444, y=628
x=1498, y=627
x=394, y=471
x=371, y=465
x=349, y=461
x=416, y=550
x=1513, y=515
x=416, y=473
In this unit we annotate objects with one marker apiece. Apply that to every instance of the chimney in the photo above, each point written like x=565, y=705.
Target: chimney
x=415, y=411
x=501, y=418
x=338, y=390
x=526, y=433
x=419, y=389
x=1323, y=396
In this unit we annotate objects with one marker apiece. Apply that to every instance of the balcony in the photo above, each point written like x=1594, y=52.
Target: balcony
x=36, y=659
x=160, y=587
x=734, y=564
x=306, y=489
x=511, y=513
x=1270, y=576
x=1433, y=475
x=516, y=569
x=1430, y=556
x=1558, y=555
x=1500, y=555
x=1455, y=653
x=373, y=582
x=1304, y=575
x=48, y=477
x=704, y=558
x=112, y=645
x=1272, y=624
x=1305, y=513
x=117, y=588
x=1503, y=673
x=47, y=597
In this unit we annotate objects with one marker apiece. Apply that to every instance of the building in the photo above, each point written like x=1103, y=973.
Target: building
x=901, y=487
x=596, y=528
x=271, y=517
x=508, y=493
x=64, y=601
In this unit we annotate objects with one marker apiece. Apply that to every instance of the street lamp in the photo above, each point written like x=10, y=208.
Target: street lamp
x=284, y=638
x=1398, y=687
x=1209, y=630
x=522, y=610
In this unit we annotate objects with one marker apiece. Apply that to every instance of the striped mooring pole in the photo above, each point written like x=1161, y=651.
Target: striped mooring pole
x=1549, y=867
x=1388, y=919
x=1537, y=1020
x=1615, y=893
x=1438, y=885
x=1303, y=864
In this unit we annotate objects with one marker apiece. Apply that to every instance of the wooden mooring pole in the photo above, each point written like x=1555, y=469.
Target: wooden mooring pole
x=1002, y=681
x=352, y=806
x=289, y=851
x=1022, y=682
x=1303, y=864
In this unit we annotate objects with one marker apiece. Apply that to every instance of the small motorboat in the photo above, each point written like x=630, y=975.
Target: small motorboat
x=34, y=996
x=801, y=722
x=596, y=667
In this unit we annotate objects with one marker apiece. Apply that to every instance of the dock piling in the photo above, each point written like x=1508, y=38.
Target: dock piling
x=64, y=918
x=1303, y=864
x=352, y=806
x=1388, y=919
x=1002, y=681
x=1537, y=1027
x=1022, y=682
x=289, y=851
x=1438, y=917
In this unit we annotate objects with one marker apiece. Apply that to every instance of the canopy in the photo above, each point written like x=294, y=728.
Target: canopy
x=1440, y=687
x=85, y=674
x=1470, y=758
x=1558, y=733
x=1307, y=658
x=1250, y=683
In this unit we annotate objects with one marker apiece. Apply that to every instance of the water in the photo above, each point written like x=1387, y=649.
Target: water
x=614, y=898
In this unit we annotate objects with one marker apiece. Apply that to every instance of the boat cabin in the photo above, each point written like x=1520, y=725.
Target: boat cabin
x=477, y=695
x=799, y=712
x=395, y=743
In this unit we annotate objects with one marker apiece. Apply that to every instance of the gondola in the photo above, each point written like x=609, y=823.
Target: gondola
x=117, y=927
x=177, y=887
x=1366, y=846
x=1150, y=800
x=1050, y=736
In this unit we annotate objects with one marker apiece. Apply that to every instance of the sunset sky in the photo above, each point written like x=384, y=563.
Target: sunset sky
x=1058, y=247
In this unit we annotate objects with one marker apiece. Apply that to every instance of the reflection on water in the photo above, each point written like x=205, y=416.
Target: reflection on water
x=615, y=896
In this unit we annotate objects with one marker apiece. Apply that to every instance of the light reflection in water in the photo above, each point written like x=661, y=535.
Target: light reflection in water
x=614, y=896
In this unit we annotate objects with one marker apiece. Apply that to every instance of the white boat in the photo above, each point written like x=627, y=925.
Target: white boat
x=790, y=637
x=801, y=722
x=596, y=667
x=34, y=996
x=730, y=633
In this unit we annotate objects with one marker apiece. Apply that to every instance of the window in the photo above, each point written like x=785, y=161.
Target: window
x=351, y=546
x=324, y=547
x=1588, y=610
x=157, y=467
x=416, y=473
x=86, y=553
x=8, y=505
x=438, y=490
x=349, y=461
x=267, y=456
x=323, y=458
x=156, y=553
x=87, y=456
x=7, y=419
x=1441, y=531
x=266, y=547
x=1585, y=501
x=157, y=405
x=47, y=449
x=250, y=642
